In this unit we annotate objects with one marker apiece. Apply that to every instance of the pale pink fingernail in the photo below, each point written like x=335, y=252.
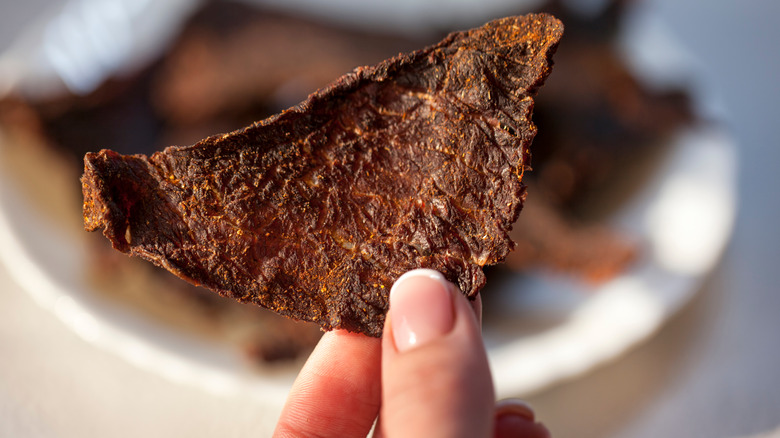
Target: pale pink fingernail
x=515, y=418
x=420, y=308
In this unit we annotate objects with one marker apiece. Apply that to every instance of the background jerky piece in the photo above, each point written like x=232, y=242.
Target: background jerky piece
x=314, y=212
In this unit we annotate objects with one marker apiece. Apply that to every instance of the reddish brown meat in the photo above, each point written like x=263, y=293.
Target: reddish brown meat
x=313, y=213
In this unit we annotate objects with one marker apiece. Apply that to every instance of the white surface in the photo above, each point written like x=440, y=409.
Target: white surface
x=712, y=371
x=411, y=16
x=75, y=46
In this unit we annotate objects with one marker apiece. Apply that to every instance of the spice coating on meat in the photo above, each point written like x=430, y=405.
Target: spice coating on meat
x=313, y=213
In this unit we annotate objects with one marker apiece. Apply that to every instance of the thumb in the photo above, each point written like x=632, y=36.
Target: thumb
x=435, y=376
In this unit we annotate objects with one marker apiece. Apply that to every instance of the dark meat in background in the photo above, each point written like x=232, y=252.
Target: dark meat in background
x=232, y=64
x=598, y=126
x=236, y=64
x=594, y=116
x=584, y=136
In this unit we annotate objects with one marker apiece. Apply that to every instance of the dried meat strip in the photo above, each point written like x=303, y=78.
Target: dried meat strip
x=314, y=212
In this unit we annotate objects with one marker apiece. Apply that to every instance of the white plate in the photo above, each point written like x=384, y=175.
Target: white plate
x=683, y=219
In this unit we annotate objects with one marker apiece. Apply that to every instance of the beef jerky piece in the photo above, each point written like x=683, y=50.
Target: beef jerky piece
x=413, y=163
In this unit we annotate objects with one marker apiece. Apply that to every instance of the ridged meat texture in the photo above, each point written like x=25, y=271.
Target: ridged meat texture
x=313, y=213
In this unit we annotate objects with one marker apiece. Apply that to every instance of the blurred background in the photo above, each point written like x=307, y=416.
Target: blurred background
x=84, y=74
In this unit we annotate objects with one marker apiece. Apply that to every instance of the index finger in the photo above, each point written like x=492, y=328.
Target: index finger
x=338, y=392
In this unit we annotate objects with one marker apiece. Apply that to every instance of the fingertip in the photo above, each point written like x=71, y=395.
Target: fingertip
x=515, y=406
x=420, y=308
x=447, y=375
x=344, y=366
x=515, y=418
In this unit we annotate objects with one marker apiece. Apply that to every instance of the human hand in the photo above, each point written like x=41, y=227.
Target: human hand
x=427, y=377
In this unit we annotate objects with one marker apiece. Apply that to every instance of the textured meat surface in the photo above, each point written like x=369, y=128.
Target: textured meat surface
x=314, y=212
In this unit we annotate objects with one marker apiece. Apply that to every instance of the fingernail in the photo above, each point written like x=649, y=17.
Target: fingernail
x=420, y=308
x=515, y=406
x=515, y=418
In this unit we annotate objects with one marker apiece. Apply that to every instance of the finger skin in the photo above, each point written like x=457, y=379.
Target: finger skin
x=442, y=388
x=513, y=426
x=337, y=393
x=476, y=306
